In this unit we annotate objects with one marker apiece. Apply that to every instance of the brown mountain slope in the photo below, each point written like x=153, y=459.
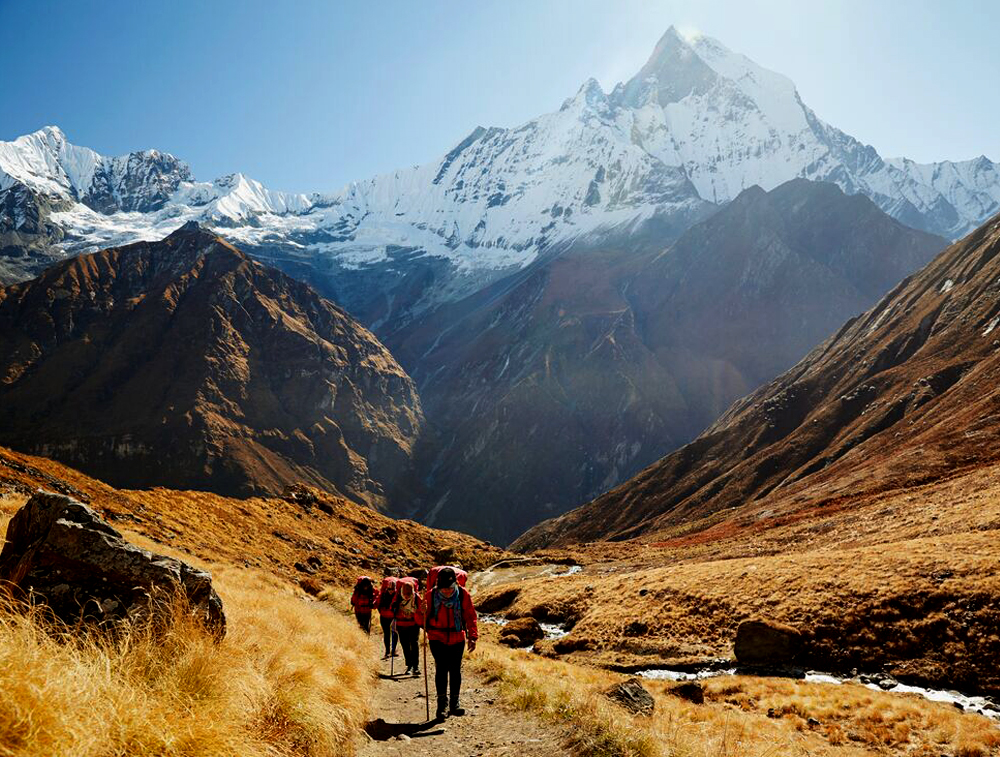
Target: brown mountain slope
x=554, y=385
x=906, y=393
x=184, y=363
x=275, y=534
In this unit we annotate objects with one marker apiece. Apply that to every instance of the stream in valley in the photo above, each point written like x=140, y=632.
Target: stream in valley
x=514, y=571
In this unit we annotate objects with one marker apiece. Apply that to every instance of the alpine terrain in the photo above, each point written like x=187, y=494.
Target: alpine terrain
x=551, y=286
x=184, y=363
x=692, y=129
x=553, y=385
x=901, y=395
x=718, y=382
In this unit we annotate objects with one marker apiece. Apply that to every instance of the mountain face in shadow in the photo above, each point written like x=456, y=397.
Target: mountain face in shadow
x=556, y=384
x=905, y=393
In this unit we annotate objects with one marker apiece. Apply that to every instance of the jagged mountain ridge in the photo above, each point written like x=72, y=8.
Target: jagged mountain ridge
x=553, y=385
x=696, y=126
x=49, y=165
x=184, y=363
x=904, y=394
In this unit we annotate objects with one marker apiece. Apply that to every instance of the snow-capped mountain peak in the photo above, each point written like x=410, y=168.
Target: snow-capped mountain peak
x=47, y=163
x=695, y=126
x=678, y=71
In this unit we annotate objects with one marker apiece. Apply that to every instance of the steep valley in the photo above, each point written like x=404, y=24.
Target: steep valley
x=697, y=392
x=631, y=606
x=554, y=385
x=901, y=395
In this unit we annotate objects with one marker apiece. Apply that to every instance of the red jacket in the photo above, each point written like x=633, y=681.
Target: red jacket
x=361, y=603
x=383, y=597
x=441, y=626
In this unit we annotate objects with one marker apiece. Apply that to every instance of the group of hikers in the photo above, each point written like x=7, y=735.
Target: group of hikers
x=445, y=612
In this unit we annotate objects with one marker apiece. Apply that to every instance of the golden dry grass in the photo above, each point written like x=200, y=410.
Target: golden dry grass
x=734, y=721
x=269, y=533
x=910, y=581
x=927, y=606
x=564, y=694
x=292, y=677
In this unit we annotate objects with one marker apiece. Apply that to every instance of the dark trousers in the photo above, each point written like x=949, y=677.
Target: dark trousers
x=364, y=620
x=408, y=640
x=447, y=664
x=388, y=633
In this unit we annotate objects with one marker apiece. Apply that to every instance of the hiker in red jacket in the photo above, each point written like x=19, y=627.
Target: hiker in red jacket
x=450, y=623
x=363, y=601
x=407, y=612
x=384, y=603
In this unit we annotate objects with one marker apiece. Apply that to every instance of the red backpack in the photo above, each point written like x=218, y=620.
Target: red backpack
x=387, y=592
x=408, y=580
x=461, y=576
x=364, y=588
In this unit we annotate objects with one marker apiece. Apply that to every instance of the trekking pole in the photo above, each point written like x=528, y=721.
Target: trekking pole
x=427, y=691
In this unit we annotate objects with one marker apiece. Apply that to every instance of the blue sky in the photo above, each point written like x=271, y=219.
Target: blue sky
x=310, y=95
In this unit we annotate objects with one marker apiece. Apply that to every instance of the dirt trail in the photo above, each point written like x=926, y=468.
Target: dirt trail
x=399, y=726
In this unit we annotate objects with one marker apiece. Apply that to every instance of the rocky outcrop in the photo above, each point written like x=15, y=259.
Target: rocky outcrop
x=61, y=553
x=183, y=363
x=28, y=235
x=632, y=695
x=763, y=642
x=522, y=632
x=692, y=691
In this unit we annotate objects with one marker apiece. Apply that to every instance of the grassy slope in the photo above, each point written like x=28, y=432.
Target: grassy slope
x=292, y=677
x=847, y=721
x=908, y=581
x=272, y=534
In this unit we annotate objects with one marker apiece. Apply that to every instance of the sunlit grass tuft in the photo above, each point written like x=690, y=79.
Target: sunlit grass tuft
x=742, y=716
x=292, y=677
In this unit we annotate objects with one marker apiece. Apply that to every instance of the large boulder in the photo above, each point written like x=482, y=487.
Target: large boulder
x=765, y=642
x=61, y=553
x=632, y=695
x=522, y=632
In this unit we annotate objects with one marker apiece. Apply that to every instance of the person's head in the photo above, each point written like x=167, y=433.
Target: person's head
x=406, y=590
x=446, y=580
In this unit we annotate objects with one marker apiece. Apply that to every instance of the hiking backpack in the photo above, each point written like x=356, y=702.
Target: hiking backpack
x=388, y=591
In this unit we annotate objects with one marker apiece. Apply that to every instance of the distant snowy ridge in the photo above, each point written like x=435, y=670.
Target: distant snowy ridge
x=697, y=125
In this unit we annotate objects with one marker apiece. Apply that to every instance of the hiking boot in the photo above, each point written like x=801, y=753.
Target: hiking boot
x=456, y=711
x=407, y=672
x=416, y=671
